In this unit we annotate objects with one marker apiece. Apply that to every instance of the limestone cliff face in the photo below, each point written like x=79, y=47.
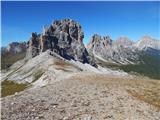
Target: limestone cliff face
x=65, y=37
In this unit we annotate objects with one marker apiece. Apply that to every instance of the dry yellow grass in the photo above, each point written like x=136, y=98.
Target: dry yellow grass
x=141, y=88
x=10, y=88
x=147, y=91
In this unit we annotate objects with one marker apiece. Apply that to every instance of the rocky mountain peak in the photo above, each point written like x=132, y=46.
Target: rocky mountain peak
x=148, y=42
x=64, y=37
x=146, y=38
x=98, y=42
x=123, y=41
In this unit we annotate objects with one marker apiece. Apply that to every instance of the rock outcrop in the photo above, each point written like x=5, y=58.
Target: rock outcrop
x=104, y=48
x=64, y=37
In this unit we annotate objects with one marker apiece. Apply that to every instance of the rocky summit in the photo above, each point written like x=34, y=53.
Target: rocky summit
x=64, y=37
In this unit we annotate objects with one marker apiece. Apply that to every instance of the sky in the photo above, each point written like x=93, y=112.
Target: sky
x=131, y=19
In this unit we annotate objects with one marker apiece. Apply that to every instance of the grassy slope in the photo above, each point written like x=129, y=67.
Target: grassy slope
x=149, y=66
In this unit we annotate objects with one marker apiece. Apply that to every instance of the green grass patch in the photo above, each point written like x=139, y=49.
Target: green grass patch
x=148, y=66
x=10, y=87
x=37, y=75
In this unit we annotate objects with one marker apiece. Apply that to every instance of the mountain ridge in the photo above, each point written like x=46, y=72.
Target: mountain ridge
x=122, y=49
x=65, y=38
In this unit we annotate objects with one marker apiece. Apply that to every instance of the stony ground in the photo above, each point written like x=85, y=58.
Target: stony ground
x=86, y=96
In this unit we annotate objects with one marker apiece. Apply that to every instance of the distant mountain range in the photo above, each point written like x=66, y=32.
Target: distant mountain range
x=12, y=53
x=15, y=47
x=122, y=50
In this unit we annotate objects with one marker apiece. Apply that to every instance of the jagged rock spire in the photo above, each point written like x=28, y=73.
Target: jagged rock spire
x=65, y=37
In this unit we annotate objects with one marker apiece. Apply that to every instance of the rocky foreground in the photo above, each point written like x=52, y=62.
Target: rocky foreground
x=84, y=96
x=70, y=90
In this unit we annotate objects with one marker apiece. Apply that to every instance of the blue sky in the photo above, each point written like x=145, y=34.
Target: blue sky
x=132, y=19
